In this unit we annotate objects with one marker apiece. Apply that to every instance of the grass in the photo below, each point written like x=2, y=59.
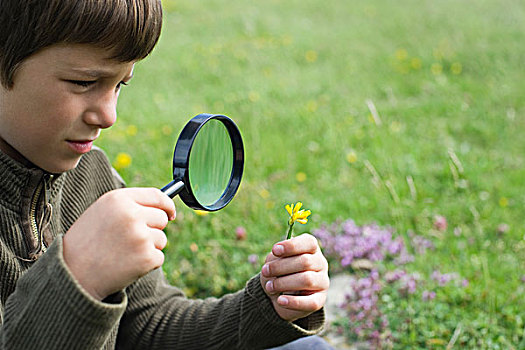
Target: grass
x=300, y=79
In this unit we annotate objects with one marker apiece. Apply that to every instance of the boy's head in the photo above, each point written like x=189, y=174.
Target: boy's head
x=62, y=63
x=128, y=29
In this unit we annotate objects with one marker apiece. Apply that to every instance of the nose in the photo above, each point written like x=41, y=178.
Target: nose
x=102, y=112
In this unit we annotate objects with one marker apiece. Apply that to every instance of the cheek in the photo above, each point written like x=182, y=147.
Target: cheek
x=52, y=114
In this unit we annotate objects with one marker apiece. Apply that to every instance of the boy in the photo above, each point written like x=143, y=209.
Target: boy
x=80, y=255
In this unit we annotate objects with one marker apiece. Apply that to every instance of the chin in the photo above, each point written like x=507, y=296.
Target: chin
x=62, y=167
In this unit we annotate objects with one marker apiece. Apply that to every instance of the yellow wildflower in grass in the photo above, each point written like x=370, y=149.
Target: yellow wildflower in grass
x=436, y=68
x=415, y=63
x=395, y=126
x=264, y=193
x=311, y=56
x=132, y=130
x=296, y=215
x=436, y=341
x=300, y=176
x=287, y=40
x=122, y=161
x=254, y=96
x=167, y=130
x=311, y=106
x=456, y=68
x=503, y=202
x=401, y=54
x=351, y=157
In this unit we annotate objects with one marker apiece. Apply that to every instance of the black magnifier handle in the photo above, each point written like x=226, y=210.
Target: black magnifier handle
x=173, y=188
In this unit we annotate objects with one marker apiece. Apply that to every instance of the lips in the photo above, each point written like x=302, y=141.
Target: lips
x=80, y=146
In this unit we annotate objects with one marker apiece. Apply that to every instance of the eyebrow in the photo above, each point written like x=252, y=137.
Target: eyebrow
x=98, y=73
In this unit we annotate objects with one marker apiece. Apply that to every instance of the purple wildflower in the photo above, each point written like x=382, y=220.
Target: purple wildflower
x=503, y=228
x=253, y=259
x=440, y=223
x=428, y=295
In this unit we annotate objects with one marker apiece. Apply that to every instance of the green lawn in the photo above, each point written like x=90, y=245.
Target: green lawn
x=301, y=79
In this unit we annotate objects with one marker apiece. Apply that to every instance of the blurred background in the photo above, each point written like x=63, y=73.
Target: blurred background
x=405, y=117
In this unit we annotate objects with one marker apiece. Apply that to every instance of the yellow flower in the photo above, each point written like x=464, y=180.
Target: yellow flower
x=311, y=56
x=132, y=130
x=395, y=126
x=286, y=40
x=503, y=202
x=300, y=176
x=254, y=96
x=456, y=68
x=122, y=161
x=436, y=68
x=351, y=157
x=415, y=63
x=201, y=212
x=311, y=106
x=296, y=214
x=401, y=54
x=167, y=130
x=264, y=193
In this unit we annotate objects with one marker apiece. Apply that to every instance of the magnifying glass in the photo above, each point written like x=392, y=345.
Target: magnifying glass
x=208, y=163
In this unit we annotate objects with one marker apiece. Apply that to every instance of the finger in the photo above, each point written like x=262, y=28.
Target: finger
x=294, y=264
x=270, y=257
x=153, y=197
x=154, y=218
x=302, y=244
x=306, y=303
x=303, y=281
x=157, y=259
x=158, y=238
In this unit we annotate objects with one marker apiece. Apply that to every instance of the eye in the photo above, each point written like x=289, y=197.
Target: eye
x=82, y=83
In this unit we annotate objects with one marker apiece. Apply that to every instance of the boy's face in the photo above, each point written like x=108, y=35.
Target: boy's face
x=62, y=97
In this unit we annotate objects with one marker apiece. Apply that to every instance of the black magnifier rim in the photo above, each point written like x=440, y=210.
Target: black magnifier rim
x=181, y=158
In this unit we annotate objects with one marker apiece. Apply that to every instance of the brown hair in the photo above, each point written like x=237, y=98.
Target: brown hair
x=128, y=28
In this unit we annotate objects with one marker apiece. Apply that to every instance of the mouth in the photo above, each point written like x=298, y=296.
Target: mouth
x=80, y=146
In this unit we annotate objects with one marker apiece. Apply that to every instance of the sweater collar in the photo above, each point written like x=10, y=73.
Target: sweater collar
x=17, y=180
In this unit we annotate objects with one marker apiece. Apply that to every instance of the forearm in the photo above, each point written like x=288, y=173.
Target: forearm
x=49, y=310
x=159, y=317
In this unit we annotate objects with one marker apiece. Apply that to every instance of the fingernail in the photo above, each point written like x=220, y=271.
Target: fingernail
x=278, y=250
x=269, y=286
x=266, y=270
x=282, y=300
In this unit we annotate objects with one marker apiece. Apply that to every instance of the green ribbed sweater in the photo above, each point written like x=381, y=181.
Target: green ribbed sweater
x=42, y=306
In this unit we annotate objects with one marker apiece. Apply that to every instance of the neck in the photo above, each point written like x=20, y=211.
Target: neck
x=13, y=153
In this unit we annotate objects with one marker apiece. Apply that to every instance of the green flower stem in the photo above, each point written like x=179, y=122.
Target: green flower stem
x=289, y=234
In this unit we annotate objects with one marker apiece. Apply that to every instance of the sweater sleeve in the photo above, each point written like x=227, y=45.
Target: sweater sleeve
x=160, y=317
x=50, y=310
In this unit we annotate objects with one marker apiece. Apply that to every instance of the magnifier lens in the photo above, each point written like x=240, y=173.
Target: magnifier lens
x=208, y=163
x=211, y=162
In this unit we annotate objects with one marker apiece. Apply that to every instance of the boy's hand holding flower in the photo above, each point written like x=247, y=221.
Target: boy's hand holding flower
x=295, y=273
